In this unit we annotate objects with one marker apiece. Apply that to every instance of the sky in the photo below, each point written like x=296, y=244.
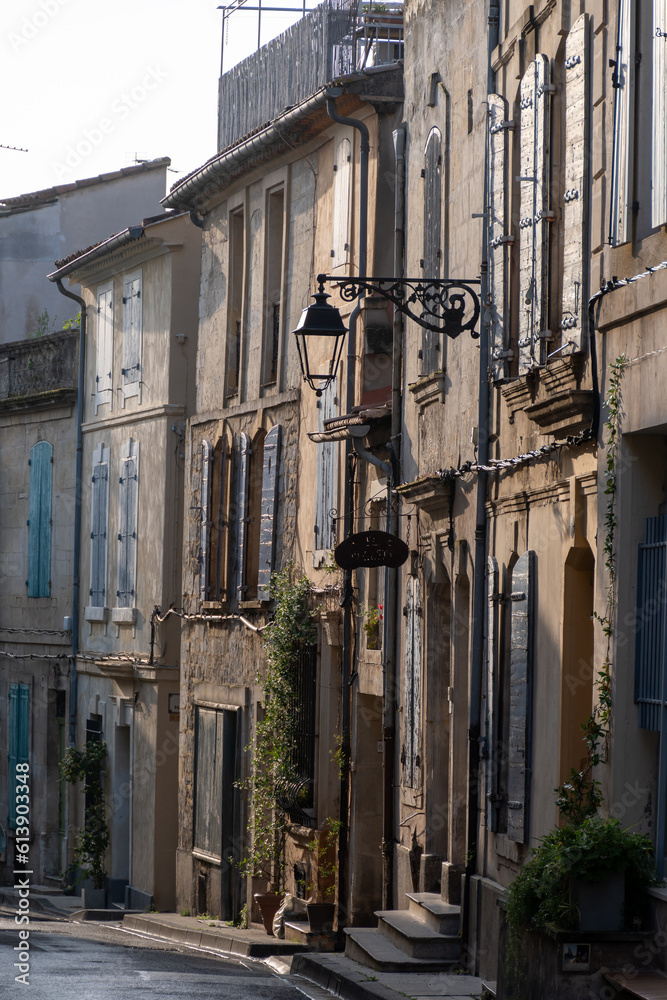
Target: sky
x=89, y=87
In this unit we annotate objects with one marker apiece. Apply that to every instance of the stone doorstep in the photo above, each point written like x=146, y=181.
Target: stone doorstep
x=299, y=932
x=368, y=947
x=414, y=937
x=428, y=907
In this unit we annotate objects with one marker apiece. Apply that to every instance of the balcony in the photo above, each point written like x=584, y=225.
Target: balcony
x=338, y=38
x=39, y=371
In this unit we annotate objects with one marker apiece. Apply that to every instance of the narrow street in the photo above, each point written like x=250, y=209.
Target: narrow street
x=97, y=962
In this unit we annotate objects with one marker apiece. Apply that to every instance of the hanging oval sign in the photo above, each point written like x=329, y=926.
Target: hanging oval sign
x=371, y=548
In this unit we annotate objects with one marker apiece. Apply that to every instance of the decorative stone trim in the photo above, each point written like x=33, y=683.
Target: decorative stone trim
x=430, y=494
x=430, y=389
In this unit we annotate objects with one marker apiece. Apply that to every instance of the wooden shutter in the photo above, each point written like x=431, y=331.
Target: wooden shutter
x=19, y=740
x=98, y=527
x=326, y=474
x=205, y=523
x=622, y=84
x=431, y=359
x=574, y=303
x=104, y=354
x=413, y=664
x=340, y=253
x=650, y=633
x=492, y=584
x=268, y=513
x=242, y=512
x=499, y=238
x=521, y=669
x=128, y=484
x=39, y=520
x=659, y=112
x=132, y=330
x=534, y=209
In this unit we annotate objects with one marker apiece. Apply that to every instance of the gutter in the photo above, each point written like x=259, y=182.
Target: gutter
x=101, y=250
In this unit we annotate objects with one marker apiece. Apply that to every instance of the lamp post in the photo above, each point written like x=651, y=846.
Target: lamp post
x=442, y=305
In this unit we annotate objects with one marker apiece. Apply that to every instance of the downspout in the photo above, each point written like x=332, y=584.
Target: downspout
x=389, y=644
x=76, y=575
x=479, y=591
x=348, y=505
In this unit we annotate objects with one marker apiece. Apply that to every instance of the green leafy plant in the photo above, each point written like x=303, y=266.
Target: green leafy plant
x=324, y=846
x=372, y=616
x=43, y=324
x=272, y=748
x=185, y=912
x=92, y=842
x=75, y=323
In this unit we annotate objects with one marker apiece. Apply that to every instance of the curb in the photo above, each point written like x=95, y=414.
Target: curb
x=212, y=940
x=329, y=972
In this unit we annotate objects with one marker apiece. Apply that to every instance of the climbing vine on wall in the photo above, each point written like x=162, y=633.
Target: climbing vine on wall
x=580, y=795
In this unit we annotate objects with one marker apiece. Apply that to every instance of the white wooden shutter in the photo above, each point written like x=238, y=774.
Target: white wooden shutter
x=132, y=335
x=326, y=474
x=521, y=694
x=128, y=485
x=205, y=514
x=622, y=83
x=574, y=303
x=492, y=582
x=271, y=463
x=498, y=236
x=534, y=209
x=659, y=111
x=340, y=253
x=242, y=513
x=104, y=348
x=412, y=707
x=99, y=517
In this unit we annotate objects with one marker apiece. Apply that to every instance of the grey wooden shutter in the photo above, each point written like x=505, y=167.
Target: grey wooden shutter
x=620, y=167
x=205, y=514
x=104, y=352
x=98, y=528
x=659, y=112
x=521, y=694
x=492, y=583
x=431, y=360
x=39, y=520
x=132, y=329
x=650, y=657
x=326, y=474
x=208, y=780
x=127, y=527
x=575, y=201
x=340, y=253
x=242, y=512
x=269, y=499
x=534, y=211
x=499, y=238
x=412, y=706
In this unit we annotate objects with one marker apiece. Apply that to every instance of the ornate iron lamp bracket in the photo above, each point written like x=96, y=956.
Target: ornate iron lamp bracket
x=443, y=305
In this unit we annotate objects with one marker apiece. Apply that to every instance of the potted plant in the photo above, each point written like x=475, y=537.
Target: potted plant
x=321, y=906
x=272, y=747
x=92, y=842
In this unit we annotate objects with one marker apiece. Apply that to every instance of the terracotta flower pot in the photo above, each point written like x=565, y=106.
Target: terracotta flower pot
x=269, y=903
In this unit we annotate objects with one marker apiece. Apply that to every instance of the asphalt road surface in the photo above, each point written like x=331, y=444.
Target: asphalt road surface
x=92, y=962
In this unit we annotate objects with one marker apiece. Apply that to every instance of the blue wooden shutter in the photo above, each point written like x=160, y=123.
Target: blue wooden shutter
x=39, y=520
x=326, y=474
x=19, y=740
x=521, y=694
x=242, y=512
x=499, y=239
x=269, y=499
x=98, y=528
x=650, y=633
x=127, y=528
x=207, y=455
x=131, y=371
x=412, y=707
x=431, y=359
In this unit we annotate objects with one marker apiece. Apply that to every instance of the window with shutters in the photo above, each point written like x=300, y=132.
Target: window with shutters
x=131, y=373
x=520, y=699
x=342, y=189
x=104, y=348
x=219, y=487
x=19, y=746
x=128, y=487
x=205, y=481
x=411, y=753
x=325, y=501
x=257, y=486
x=274, y=270
x=99, y=518
x=298, y=797
x=236, y=299
x=39, y=520
x=431, y=353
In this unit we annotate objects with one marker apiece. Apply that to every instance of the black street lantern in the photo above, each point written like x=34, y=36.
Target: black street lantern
x=320, y=319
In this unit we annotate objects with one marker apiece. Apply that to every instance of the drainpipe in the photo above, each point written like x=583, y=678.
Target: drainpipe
x=389, y=644
x=479, y=592
x=76, y=576
x=348, y=507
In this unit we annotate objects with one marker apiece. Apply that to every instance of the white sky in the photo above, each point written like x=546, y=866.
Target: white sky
x=87, y=86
